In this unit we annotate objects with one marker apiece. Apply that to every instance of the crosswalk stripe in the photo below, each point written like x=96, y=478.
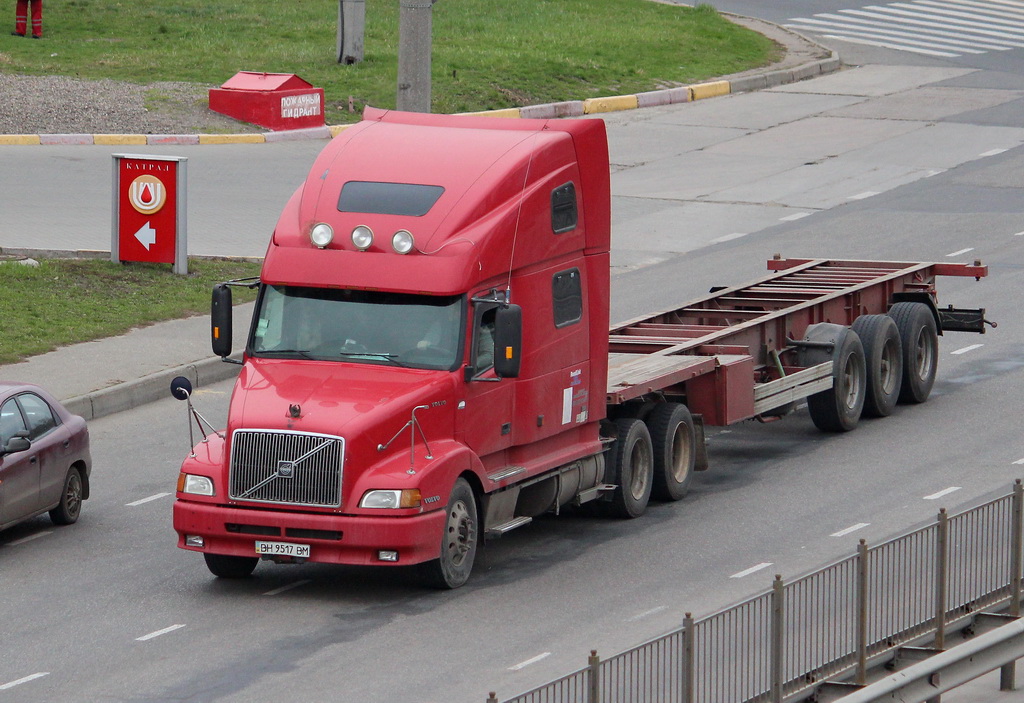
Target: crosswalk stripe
x=946, y=28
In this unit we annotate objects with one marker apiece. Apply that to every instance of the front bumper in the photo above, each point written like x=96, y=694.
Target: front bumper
x=355, y=539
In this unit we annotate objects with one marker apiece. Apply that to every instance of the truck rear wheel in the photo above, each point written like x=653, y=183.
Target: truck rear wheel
x=883, y=356
x=229, y=567
x=458, y=542
x=632, y=468
x=837, y=409
x=920, y=337
x=675, y=450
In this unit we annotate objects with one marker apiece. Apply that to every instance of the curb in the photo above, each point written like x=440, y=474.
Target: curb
x=132, y=394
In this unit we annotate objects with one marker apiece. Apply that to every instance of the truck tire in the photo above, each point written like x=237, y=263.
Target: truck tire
x=230, y=567
x=674, y=441
x=458, y=542
x=920, y=338
x=883, y=357
x=632, y=468
x=837, y=409
x=70, y=505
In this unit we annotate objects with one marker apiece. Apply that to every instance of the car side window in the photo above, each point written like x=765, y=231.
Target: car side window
x=38, y=415
x=11, y=421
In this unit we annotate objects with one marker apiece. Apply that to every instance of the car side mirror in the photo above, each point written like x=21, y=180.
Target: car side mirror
x=18, y=443
x=508, y=340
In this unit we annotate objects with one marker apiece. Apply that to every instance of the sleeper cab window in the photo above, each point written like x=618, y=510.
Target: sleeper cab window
x=567, y=297
x=563, y=208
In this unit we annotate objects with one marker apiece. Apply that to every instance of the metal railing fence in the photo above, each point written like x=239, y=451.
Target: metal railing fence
x=828, y=624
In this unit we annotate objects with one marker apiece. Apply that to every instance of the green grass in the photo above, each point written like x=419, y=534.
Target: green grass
x=486, y=54
x=65, y=301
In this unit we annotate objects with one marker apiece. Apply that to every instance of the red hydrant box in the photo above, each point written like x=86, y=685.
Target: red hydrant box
x=277, y=101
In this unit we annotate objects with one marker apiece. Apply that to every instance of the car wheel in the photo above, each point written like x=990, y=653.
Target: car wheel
x=70, y=506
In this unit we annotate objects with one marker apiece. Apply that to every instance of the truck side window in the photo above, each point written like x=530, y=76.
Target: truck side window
x=563, y=208
x=483, y=345
x=567, y=297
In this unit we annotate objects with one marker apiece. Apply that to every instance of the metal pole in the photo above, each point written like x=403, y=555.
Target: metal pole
x=593, y=682
x=777, y=637
x=688, y=672
x=1008, y=672
x=941, y=578
x=351, y=28
x=862, y=612
x=414, y=49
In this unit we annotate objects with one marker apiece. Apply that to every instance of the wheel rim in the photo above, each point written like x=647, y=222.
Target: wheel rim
x=851, y=383
x=640, y=461
x=924, y=355
x=73, y=495
x=680, y=453
x=461, y=534
x=887, y=366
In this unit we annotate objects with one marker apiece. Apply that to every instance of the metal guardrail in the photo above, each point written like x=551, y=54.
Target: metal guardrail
x=836, y=623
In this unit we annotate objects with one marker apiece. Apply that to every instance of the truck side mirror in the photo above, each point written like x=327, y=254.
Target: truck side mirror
x=220, y=320
x=508, y=340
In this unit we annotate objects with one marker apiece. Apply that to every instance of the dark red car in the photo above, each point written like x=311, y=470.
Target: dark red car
x=44, y=456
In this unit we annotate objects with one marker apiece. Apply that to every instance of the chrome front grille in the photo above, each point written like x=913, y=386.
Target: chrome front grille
x=270, y=466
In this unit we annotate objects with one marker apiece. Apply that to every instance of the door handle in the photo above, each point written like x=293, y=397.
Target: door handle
x=33, y=460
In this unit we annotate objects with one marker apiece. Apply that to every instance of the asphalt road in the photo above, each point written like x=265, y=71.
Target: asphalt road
x=902, y=162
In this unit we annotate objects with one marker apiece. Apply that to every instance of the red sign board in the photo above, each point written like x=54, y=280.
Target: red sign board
x=149, y=197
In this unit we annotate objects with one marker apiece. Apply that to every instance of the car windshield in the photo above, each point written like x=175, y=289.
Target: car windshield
x=389, y=329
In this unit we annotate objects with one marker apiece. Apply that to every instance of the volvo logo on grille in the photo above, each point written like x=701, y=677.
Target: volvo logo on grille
x=285, y=469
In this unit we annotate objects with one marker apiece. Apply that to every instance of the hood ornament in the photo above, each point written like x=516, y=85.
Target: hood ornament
x=295, y=410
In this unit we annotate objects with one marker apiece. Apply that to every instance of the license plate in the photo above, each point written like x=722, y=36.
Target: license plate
x=284, y=549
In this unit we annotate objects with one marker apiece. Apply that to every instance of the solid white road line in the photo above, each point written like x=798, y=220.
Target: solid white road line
x=966, y=349
x=851, y=528
x=863, y=196
x=751, y=570
x=289, y=587
x=158, y=496
x=164, y=631
x=26, y=679
x=534, y=660
x=795, y=216
x=943, y=492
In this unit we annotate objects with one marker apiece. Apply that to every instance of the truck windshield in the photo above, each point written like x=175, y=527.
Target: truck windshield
x=389, y=329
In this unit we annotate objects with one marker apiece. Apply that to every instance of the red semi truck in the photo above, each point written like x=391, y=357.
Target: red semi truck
x=429, y=362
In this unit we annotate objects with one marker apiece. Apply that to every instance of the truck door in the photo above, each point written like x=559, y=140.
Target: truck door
x=485, y=420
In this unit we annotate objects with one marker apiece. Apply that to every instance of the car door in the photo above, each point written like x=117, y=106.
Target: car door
x=20, y=471
x=51, y=441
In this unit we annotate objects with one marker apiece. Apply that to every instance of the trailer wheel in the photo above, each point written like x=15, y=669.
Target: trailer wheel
x=837, y=409
x=674, y=442
x=883, y=356
x=458, y=543
x=920, y=337
x=229, y=567
x=632, y=468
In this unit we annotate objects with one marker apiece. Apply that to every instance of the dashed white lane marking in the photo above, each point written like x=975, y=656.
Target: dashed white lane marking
x=164, y=631
x=728, y=237
x=751, y=570
x=960, y=251
x=533, y=660
x=25, y=679
x=943, y=492
x=863, y=196
x=37, y=535
x=1019, y=461
x=648, y=613
x=969, y=348
x=992, y=152
x=795, y=216
x=851, y=528
x=288, y=587
x=158, y=496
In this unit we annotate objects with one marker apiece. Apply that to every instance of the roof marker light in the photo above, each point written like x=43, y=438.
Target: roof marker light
x=402, y=241
x=362, y=237
x=321, y=234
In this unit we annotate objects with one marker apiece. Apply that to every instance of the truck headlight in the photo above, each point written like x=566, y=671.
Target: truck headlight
x=321, y=234
x=408, y=498
x=362, y=237
x=402, y=241
x=197, y=485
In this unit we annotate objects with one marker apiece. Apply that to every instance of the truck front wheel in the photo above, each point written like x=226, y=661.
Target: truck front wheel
x=675, y=450
x=229, y=567
x=633, y=468
x=458, y=542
